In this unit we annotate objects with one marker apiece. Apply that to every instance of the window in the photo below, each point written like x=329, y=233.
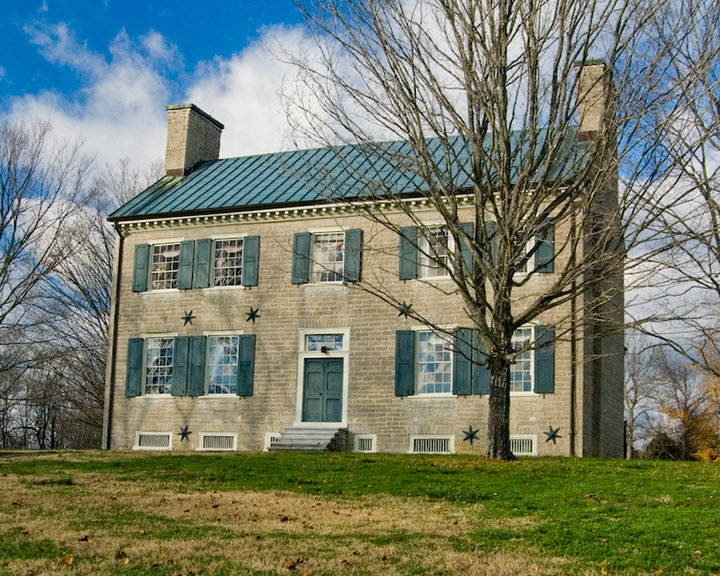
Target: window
x=434, y=364
x=228, y=262
x=328, y=255
x=165, y=265
x=190, y=365
x=223, y=364
x=324, y=342
x=434, y=251
x=521, y=372
x=158, y=365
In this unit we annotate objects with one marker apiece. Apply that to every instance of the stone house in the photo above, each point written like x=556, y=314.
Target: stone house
x=236, y=323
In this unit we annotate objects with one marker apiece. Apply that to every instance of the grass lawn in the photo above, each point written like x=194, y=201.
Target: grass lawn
x=340, y=513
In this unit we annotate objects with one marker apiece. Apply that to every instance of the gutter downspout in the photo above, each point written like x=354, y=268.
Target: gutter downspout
x=110, y=371
x=573, y=346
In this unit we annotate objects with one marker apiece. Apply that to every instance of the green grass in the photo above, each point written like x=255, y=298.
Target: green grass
x=632, y=517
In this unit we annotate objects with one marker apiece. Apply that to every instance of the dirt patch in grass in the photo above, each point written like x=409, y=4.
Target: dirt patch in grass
x=99, y=525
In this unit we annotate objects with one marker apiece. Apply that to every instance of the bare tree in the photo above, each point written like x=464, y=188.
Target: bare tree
x=79, y=307
x=641, y=391
x=486, y=97
x=683, y=264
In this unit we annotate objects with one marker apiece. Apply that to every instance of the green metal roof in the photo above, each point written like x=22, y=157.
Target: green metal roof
x=311, y=176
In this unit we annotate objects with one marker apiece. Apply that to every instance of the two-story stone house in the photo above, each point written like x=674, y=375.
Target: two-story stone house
x=237, y=323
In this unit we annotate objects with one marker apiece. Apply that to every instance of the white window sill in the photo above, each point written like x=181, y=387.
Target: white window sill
x=156, y=396
x=524, y=395
x=433, y=396
x=219, y=397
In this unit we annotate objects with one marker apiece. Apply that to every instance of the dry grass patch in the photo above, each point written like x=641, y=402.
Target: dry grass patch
x=94, y=524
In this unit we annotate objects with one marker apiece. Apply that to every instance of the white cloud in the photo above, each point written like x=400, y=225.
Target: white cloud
x=120, y=110
x=243, y=92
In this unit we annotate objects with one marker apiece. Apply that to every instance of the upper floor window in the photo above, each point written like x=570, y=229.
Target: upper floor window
x=328, y=257
x=165, y=266
x=228, y=262
x=196, y=264
x=434, y=245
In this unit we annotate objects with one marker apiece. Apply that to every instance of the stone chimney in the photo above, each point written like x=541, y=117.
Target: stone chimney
x=595, y=97
x=193, y=136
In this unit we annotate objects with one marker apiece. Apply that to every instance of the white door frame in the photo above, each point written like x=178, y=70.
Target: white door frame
x=303, y=354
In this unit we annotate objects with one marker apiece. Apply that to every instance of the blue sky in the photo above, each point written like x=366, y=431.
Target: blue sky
x=104, y=70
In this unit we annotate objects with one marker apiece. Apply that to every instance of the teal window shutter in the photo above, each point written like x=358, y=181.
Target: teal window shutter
x=544, y=360
x=545, y=249
x=404, y=363
x=178, y=387
x=353, y=255
x=408, y=253
x=141, y=268
x=468, y=229
x=246, y=365
x=481, y=374
x=134, y=368
x=203, y=262
x=251, y=254
x=462, y=362
x=185, y=266
x=301, y=258
x=196, y=366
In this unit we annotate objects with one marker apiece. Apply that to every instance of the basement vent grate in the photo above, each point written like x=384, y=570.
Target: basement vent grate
x=524, y=445
x=209, y=441
x=432, y=444
x=270, y=437
x=365, y=443
x=153, y=441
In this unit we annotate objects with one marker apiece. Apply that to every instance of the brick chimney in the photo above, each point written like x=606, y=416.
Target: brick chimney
x=595, y=97
x=193, y=136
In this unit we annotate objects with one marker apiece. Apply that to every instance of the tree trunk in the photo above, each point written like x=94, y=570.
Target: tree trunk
x=498, y=436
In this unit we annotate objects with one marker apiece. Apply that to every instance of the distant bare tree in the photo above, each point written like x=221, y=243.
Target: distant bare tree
x=641, y=390
x=683, y=268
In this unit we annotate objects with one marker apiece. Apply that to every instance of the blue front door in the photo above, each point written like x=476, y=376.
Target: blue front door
x=322, y=390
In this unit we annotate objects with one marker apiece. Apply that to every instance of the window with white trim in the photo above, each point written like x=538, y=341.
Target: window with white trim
x=434, y=251
x=222, y=367
x=328, y=257
x=228, y=262
x=158, y=365
x=521, y=371
x=434, y=364
x=165, y=266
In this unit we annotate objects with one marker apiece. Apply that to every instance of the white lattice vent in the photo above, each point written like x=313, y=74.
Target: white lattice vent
x=270, y=437
x=153, y=441
x=523, y=444
x=432, y=444
x=215, y=441
x=365, y=443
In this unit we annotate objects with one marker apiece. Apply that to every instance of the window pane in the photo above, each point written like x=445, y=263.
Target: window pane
x=521, y=370
x=434, y=364
x=328, y=253
x=222, y=364
x=158, y=365
x=165, y=264
x=316, y=342
x=227, y=267
x=433, y=254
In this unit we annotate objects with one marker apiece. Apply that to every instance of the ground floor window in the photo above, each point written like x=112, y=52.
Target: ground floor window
x=159, y=354
x=434, y=364
x=223, y=364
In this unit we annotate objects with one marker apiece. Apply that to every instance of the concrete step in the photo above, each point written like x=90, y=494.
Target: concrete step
x=308, y=438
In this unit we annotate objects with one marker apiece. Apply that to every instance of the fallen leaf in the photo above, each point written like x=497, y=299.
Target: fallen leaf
x=67, y=560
